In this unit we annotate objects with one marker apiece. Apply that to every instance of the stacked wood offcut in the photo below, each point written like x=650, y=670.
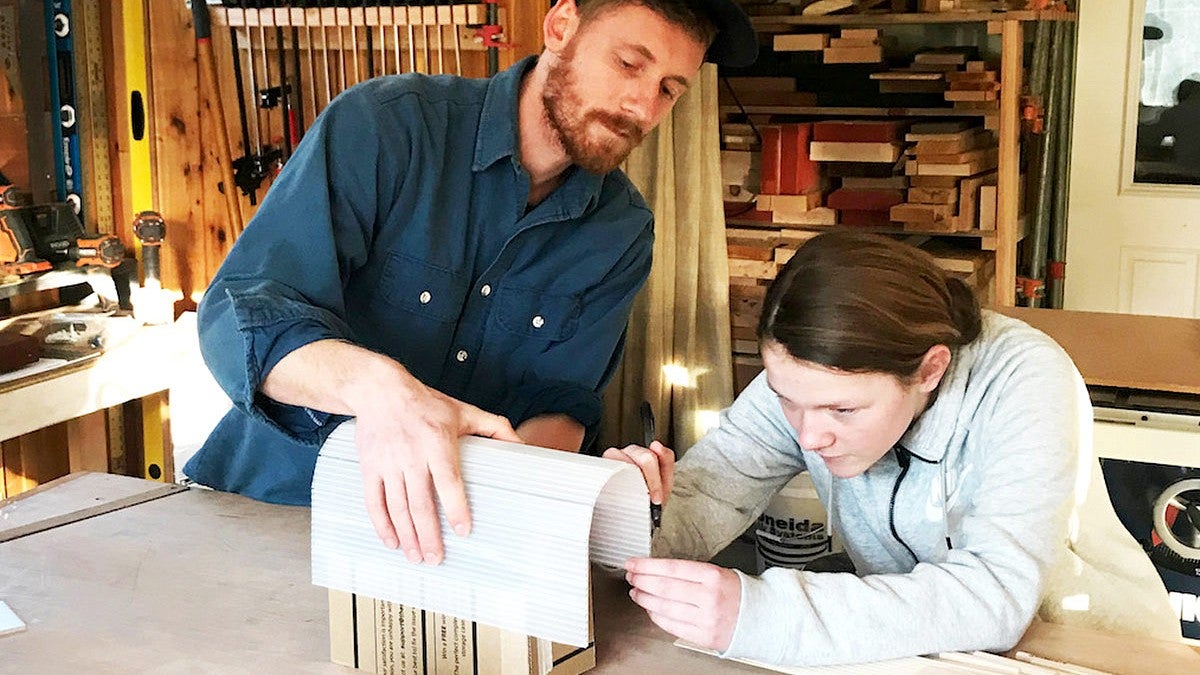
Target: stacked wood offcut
x=862, y=155
x=968, y=84
x=927, y=72
x=854, y=45
x=947, y=164
x=752, y=91
x=800, y=42
x=851, y=45
x=969, y=5
x=975, y=87
x=965, y=261
x=791, y=186
x=755, y=256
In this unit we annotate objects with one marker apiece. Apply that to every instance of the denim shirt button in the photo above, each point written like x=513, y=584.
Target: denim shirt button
x=425, y=297
x=486, y=290
x=538, y=321
x=461, y=355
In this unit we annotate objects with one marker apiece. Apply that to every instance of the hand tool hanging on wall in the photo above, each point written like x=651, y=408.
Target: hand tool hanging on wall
x=490, y=34
x=296, y=102
x=354, y=45
x=312, y=65
x=208, y=71
x=251, y=169
x=425, y=12
x=338, y=23
x=267, y=96
x=437, y=23
x=397, y=12
x=95, y=131
x=61, y=43
x=283, y=96
x=324, y=53
x=382, y=39
x=370, y=42
x=458, y=69
x=239, y=164
x=412, y=42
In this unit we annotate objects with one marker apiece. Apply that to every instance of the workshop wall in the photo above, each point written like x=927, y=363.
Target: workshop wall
x=184, y=127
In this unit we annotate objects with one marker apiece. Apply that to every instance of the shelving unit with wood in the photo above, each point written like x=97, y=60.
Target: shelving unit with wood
x=966, y=106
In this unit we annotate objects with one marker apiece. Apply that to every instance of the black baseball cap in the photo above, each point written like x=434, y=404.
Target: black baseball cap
x=736, y=43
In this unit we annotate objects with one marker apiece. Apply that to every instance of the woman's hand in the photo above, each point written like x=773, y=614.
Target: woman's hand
x=657, y=464
x=695, y=601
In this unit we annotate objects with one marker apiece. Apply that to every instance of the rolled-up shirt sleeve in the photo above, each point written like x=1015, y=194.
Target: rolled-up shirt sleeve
x=570, y=376
x=282, y=284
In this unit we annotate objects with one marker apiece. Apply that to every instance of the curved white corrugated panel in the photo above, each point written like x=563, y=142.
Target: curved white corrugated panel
x=538, y=517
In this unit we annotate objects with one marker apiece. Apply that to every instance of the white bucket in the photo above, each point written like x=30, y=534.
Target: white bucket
x=794, y=529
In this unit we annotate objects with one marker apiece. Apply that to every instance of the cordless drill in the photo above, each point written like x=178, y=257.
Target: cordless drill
x=36, y=237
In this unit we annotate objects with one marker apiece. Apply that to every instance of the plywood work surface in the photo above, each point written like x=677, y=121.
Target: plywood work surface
x=1153, y=353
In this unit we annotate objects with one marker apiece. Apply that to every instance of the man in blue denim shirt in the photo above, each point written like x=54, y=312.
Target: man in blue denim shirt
x=443, y=257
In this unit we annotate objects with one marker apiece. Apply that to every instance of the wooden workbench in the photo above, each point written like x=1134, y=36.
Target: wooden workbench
x=81, y=394
x=137, y=367
x=1152, y=353
x=201, y=581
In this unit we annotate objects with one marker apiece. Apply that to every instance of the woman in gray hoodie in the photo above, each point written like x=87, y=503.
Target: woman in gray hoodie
x=951, y=448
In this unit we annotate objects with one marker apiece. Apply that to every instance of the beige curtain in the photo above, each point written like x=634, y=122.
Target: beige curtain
x=677, y=353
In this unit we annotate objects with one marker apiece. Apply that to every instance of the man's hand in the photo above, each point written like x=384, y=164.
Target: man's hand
x=696, y=601
x=657, y=464
x=407, y=437
x=408, y=449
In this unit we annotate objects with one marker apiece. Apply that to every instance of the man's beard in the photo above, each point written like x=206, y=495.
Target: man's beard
x=597, y=153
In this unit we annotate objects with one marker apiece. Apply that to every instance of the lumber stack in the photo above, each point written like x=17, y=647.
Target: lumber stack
x=748, y=91
x=975, y=267
x=755, y=256
x=968, y=5
x=927, y=72
x=862, y=155
x=947, y=164
x=801, y=42
x=973, y=88
x=854, y=45
x=969, y=84
x=791, y=186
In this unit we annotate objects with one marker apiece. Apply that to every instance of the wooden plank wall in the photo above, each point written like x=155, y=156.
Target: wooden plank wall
x=187, y=182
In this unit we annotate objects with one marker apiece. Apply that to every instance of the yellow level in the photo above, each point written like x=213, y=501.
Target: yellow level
x=141, y=198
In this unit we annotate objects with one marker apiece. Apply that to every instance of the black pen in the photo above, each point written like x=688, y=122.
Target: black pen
x=647, y=439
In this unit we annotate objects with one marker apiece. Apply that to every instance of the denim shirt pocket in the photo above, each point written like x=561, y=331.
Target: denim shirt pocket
x=415, y=313
x=431, y=292
x=536, y=314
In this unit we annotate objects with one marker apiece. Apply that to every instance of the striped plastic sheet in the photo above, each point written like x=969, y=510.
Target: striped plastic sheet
x=538, y=517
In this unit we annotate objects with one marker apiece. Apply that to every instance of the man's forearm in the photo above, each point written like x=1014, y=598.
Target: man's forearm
x=558, y=432
x=333, y=376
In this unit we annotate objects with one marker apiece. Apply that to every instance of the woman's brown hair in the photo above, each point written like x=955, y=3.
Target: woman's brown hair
x=865, y=303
